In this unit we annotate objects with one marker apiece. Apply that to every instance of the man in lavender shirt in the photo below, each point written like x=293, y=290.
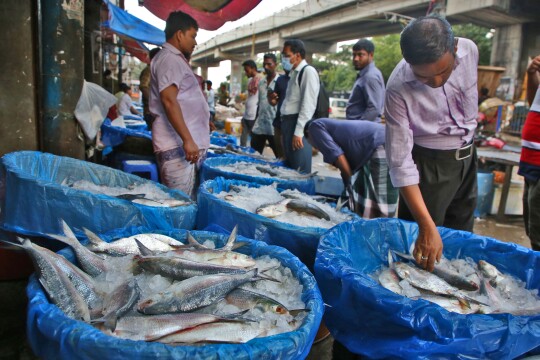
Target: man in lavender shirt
x=180, y=132
x=431, y=107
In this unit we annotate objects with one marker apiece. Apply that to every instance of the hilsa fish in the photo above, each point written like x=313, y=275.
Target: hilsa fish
x=194, y=293
x=444, y=271
x=425, y=280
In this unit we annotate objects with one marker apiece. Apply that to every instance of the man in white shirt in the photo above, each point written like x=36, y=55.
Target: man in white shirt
x=299, y=105
x=250, y=113
x=211, y=99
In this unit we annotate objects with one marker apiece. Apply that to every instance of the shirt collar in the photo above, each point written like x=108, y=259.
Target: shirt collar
x=365, y=69
x=462, y=51
x=174, y=50
x=301, y=65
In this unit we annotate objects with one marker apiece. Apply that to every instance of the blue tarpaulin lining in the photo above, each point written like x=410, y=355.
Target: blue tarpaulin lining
x=301, y=241
x=114, y=135
x=371, y=320
x=218, y=138
x=123, y=23
x=35, y=200
x=211, y=171
x=54, y=336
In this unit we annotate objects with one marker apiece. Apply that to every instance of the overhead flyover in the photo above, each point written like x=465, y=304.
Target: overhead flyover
x=323, y=23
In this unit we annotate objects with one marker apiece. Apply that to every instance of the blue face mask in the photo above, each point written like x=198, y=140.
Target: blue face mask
x=286, y=63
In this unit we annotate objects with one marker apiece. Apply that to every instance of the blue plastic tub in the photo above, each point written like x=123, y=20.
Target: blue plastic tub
x=52, y=335
x=211, y=171
x=114, y=135
x=377, y=323
x=33, y=198
x=299, y=240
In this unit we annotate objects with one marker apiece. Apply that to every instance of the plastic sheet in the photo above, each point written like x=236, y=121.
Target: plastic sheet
x=54, y=336
x=220, y=139
x=115, y=135
x=33, y=199
x=92, y=107
x=301, y=241
x=211, y=171
x=371, y=320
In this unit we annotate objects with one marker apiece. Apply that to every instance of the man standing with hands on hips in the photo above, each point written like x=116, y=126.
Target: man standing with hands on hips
x=431, y=107
x=180, y=132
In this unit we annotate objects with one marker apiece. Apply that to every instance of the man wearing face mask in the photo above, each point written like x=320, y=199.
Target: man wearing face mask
x=180, y=132
x=299, y=105
x=431, y=107
x=263, y=130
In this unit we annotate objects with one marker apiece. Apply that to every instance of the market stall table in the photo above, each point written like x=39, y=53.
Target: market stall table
x=507, y=158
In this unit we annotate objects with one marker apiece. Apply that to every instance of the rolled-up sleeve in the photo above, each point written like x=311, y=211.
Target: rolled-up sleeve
x=309, y=94
x=399, y=141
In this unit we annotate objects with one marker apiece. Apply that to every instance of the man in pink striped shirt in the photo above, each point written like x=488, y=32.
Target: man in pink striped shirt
x=431, y=107
x=180, y=132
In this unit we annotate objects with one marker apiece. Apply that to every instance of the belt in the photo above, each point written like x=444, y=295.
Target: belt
x=462, y=153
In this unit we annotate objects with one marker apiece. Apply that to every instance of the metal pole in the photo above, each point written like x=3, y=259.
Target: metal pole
x=62, y=38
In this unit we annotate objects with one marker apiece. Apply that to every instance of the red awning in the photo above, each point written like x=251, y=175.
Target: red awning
x=210, y=14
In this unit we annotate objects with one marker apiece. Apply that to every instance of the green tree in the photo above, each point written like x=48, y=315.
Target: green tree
x=336, y=70
x=478, y=35
x=387, y=53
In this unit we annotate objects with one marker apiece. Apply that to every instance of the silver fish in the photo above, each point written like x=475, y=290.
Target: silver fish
x=119, y=302
x=56, y=283
x=82, y=282
x=161, y=202
x=194, y=293
x=273, y=210
x=126, y=246
x=90, y=262
x=452, y=304
x=445, y=272
x=494, y=276
x=389, y=279
x=274, y=171
x=150, y=328
x=422, y=279
x=218, y=257
x=226, y=332
x=246, y=299
x=308, y=208
x=178, y=268
x=229, y=245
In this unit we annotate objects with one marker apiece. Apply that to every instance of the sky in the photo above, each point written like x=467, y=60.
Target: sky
x=217, y=74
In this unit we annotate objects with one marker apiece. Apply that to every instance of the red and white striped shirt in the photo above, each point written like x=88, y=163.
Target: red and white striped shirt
x=529, y=164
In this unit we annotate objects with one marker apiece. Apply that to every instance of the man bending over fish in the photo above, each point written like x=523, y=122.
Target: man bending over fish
x=431, y=107
x=357, y=147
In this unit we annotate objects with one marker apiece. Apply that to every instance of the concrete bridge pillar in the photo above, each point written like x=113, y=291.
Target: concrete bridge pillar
x=513, y=45
x=204, y=72
x=236, y=78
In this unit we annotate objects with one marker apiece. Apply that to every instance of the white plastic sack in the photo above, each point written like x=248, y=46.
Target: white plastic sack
x=92, y=108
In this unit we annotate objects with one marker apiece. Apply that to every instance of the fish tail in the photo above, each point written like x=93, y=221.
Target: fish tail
x=231, y=239
x=93, y=238
x=67, y=230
